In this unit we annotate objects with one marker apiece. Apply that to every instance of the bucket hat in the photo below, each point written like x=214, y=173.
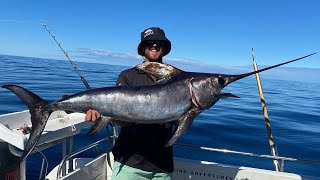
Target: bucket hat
x=154, y=34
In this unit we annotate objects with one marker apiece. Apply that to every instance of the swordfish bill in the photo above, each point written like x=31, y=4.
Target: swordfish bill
x=178, y=97
x=233, y=78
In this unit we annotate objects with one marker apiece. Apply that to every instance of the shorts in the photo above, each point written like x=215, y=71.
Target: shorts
x=124, y=172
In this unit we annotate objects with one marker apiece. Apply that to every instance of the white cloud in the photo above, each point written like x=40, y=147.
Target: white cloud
x=127, y=59
x=104, y=54
x=15, y=21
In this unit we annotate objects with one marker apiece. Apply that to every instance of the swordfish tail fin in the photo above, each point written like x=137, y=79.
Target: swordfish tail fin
x=39, y=115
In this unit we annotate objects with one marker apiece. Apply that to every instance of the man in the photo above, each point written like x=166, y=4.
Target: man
x=140, y=151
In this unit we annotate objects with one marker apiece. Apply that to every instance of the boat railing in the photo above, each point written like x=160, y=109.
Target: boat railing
x=81, y=150
x=280, y=158
x=283, y=159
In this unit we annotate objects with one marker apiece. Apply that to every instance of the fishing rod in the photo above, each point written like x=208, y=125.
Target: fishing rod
x=272, y=145
x=73, y=64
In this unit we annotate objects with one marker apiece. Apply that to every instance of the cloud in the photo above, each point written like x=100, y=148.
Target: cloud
x=105, y=54
x=127, y=59
x=105, y=57
x=14, y=21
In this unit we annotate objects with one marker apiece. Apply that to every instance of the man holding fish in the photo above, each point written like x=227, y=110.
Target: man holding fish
x=140, y=151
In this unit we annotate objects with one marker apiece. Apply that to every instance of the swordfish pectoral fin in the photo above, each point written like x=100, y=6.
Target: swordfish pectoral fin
x=184, y=123
x=228, y=95
x=102, y=123
x=161, y=71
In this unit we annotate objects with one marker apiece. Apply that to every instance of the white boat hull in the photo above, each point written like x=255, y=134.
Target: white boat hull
x=96, y=169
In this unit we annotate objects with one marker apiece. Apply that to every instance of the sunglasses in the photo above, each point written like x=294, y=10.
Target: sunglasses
x=150, y=44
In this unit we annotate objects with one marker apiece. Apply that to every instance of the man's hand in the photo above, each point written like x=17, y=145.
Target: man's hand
x=92, y=115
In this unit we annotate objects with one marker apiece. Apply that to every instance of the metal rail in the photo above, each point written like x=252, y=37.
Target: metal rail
x=250, y=154
x=227, y=151
x=80, y=151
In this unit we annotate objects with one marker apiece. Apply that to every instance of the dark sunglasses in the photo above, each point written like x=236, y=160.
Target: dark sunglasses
x=150, y=44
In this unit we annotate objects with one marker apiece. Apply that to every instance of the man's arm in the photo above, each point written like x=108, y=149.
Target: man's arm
x=122, y=80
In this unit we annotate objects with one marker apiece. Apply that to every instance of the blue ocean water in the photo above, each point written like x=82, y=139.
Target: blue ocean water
x=235, y=124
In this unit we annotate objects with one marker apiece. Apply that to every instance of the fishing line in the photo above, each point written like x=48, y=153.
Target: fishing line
x=73, y=64
x=47, y=164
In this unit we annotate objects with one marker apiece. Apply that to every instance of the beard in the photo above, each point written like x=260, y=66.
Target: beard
x=153, y=56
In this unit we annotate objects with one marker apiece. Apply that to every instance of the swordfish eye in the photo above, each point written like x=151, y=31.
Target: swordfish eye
x=221, y=80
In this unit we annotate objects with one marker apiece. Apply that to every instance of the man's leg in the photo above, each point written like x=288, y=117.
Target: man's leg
x=123, y=172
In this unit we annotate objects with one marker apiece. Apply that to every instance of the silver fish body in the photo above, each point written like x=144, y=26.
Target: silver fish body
x=147, y=105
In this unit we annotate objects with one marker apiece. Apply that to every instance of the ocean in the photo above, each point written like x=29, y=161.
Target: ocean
x=233, y=123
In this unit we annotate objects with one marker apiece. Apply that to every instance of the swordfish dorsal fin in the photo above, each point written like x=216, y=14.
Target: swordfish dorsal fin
x=161, y=71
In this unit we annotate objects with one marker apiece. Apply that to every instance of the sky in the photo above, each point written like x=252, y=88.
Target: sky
x=202, y=32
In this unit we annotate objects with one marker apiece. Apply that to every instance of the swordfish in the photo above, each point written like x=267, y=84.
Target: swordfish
x=178, y=96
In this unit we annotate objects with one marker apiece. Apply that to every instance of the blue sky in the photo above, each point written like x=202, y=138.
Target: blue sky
x=212, y=32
